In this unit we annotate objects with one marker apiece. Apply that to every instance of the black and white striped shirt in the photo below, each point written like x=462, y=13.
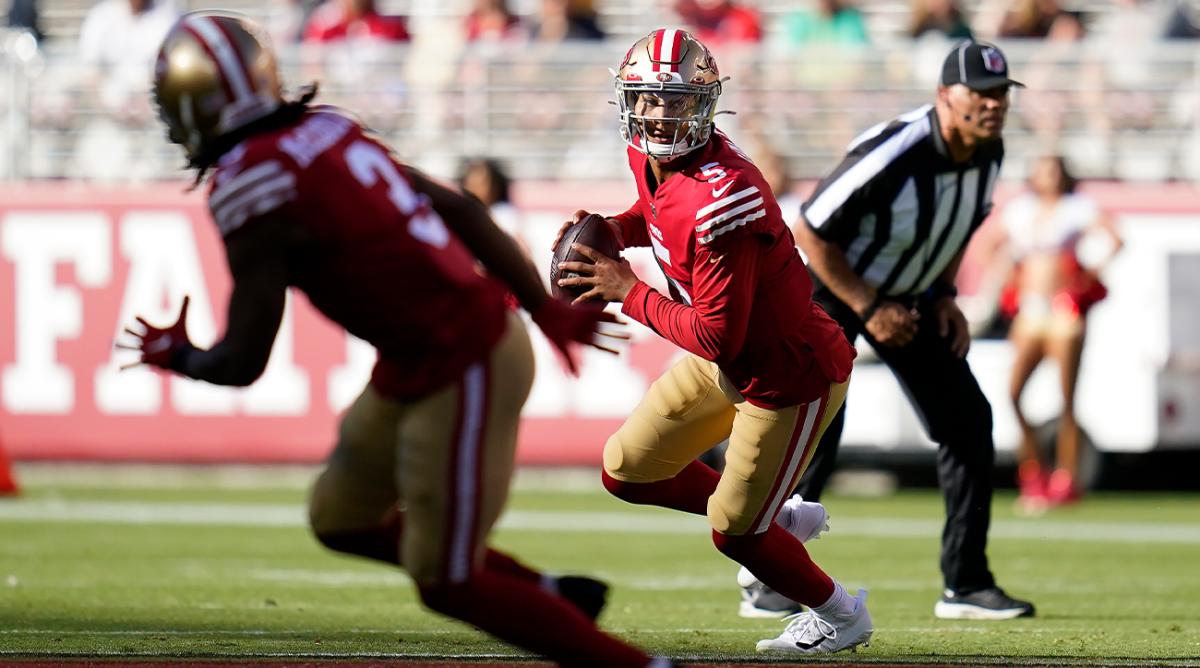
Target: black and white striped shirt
x=899, y=207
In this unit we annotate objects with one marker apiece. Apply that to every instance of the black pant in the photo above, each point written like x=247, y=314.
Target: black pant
x=955, y=414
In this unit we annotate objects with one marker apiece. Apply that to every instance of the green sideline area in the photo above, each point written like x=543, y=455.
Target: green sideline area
x=102, y=562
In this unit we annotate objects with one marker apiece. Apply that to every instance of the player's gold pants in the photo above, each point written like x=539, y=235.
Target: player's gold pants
x=692, y=408
x=446, y=460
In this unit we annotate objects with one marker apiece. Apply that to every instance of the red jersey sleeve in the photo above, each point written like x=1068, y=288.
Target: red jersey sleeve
x=714, y=325
x=633, y=227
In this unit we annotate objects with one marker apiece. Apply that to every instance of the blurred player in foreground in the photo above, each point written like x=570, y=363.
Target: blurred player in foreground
x=768, y=369
x=304, y=197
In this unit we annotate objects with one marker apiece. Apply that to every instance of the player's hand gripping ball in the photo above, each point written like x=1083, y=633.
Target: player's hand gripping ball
x=591, y=230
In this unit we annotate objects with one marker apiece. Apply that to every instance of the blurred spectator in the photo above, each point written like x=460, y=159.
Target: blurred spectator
x=833, y=22
x=567, y=20
x=720, y=21
x=118, y=42
x=486, y=180
x=121, y=38
x=943, y=17
x=24, y=14
x=492, y=21
x=338, y=20
x=1040, y=19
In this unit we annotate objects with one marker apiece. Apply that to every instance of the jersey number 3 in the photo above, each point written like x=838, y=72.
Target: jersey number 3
x=369, y=163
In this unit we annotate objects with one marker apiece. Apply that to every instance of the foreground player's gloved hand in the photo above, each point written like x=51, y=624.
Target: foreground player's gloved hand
x=566, y=325
x=165, y=348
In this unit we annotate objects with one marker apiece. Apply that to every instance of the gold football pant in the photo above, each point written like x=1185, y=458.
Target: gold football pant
x=691, y=408
x=445, y=460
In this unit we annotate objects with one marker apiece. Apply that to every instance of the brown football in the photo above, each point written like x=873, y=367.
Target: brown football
x=591, y=230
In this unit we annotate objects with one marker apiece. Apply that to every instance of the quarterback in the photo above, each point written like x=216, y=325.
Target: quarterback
x=304, y=197
x=767, y=368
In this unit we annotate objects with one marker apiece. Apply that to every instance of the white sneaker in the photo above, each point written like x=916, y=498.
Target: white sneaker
x=809, y=633
x=806, y=520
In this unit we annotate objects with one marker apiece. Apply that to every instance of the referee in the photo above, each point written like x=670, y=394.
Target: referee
x=884, y=235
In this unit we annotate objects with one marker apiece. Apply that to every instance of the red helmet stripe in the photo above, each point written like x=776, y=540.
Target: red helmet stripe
x=226, y=58
x=238, y=55
x=213, y=57
x=656, y=49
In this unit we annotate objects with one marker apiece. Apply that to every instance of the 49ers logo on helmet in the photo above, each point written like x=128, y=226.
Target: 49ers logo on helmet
x=664, y=76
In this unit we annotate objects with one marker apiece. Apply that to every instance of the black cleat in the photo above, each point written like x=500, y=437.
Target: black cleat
x=990, y=603
x=587, y=594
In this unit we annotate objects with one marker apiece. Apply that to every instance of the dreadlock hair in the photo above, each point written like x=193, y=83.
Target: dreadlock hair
x=287, y=113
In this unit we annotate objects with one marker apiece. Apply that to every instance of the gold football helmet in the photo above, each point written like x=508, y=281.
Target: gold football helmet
x=215, y=73
x=667, y=89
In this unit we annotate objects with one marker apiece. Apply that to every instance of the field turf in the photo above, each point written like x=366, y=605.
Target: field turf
x=190, y=564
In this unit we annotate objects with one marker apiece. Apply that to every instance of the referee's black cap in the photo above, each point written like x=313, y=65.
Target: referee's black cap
x=978, y=66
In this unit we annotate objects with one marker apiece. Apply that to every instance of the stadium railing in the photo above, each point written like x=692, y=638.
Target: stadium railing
x=1126, y=113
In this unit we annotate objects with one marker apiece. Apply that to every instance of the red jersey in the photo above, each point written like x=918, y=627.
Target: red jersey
x=741, y=293
x=374, y=257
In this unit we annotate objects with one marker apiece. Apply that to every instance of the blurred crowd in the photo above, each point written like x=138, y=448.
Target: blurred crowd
x=465, y=77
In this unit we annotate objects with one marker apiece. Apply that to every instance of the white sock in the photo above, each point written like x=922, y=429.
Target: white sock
x=840, y=604
x=659, y=662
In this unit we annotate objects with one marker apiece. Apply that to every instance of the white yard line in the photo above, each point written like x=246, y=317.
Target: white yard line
x=294, y=515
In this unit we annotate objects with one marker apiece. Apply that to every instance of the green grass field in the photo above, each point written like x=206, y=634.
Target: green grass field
x=196, y=565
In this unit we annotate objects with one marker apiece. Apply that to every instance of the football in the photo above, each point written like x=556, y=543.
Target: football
x=591, y=230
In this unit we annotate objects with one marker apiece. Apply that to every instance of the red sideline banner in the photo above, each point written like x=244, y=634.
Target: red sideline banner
x=77, y=263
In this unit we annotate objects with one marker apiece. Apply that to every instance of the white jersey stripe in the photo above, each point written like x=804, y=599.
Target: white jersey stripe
x=729, y=227
x=791, y=466
x=741, y=194
x=261, y=172
x=875, y=130
x=228, y=60
x=257, y=201
x=736, y=211
x=465, y=478
x=818, y=213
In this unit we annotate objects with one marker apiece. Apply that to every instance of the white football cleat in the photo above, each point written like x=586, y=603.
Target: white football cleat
x=806, y=520
x=809, y=633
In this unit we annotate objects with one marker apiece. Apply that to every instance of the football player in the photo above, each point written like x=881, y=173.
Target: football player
x=768, y=369
x=304, y=197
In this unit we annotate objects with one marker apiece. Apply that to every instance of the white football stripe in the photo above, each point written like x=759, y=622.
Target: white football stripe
x=732, y=213
x=791, y=465
x=729, y=227
x=668, y=49
x=257, y=201
x=466, y=478
x=227, y=57
x=728, y=200
x=260, y=172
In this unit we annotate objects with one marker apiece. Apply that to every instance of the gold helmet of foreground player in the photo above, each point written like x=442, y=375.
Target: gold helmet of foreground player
x=215, y=73
x=673, y=70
